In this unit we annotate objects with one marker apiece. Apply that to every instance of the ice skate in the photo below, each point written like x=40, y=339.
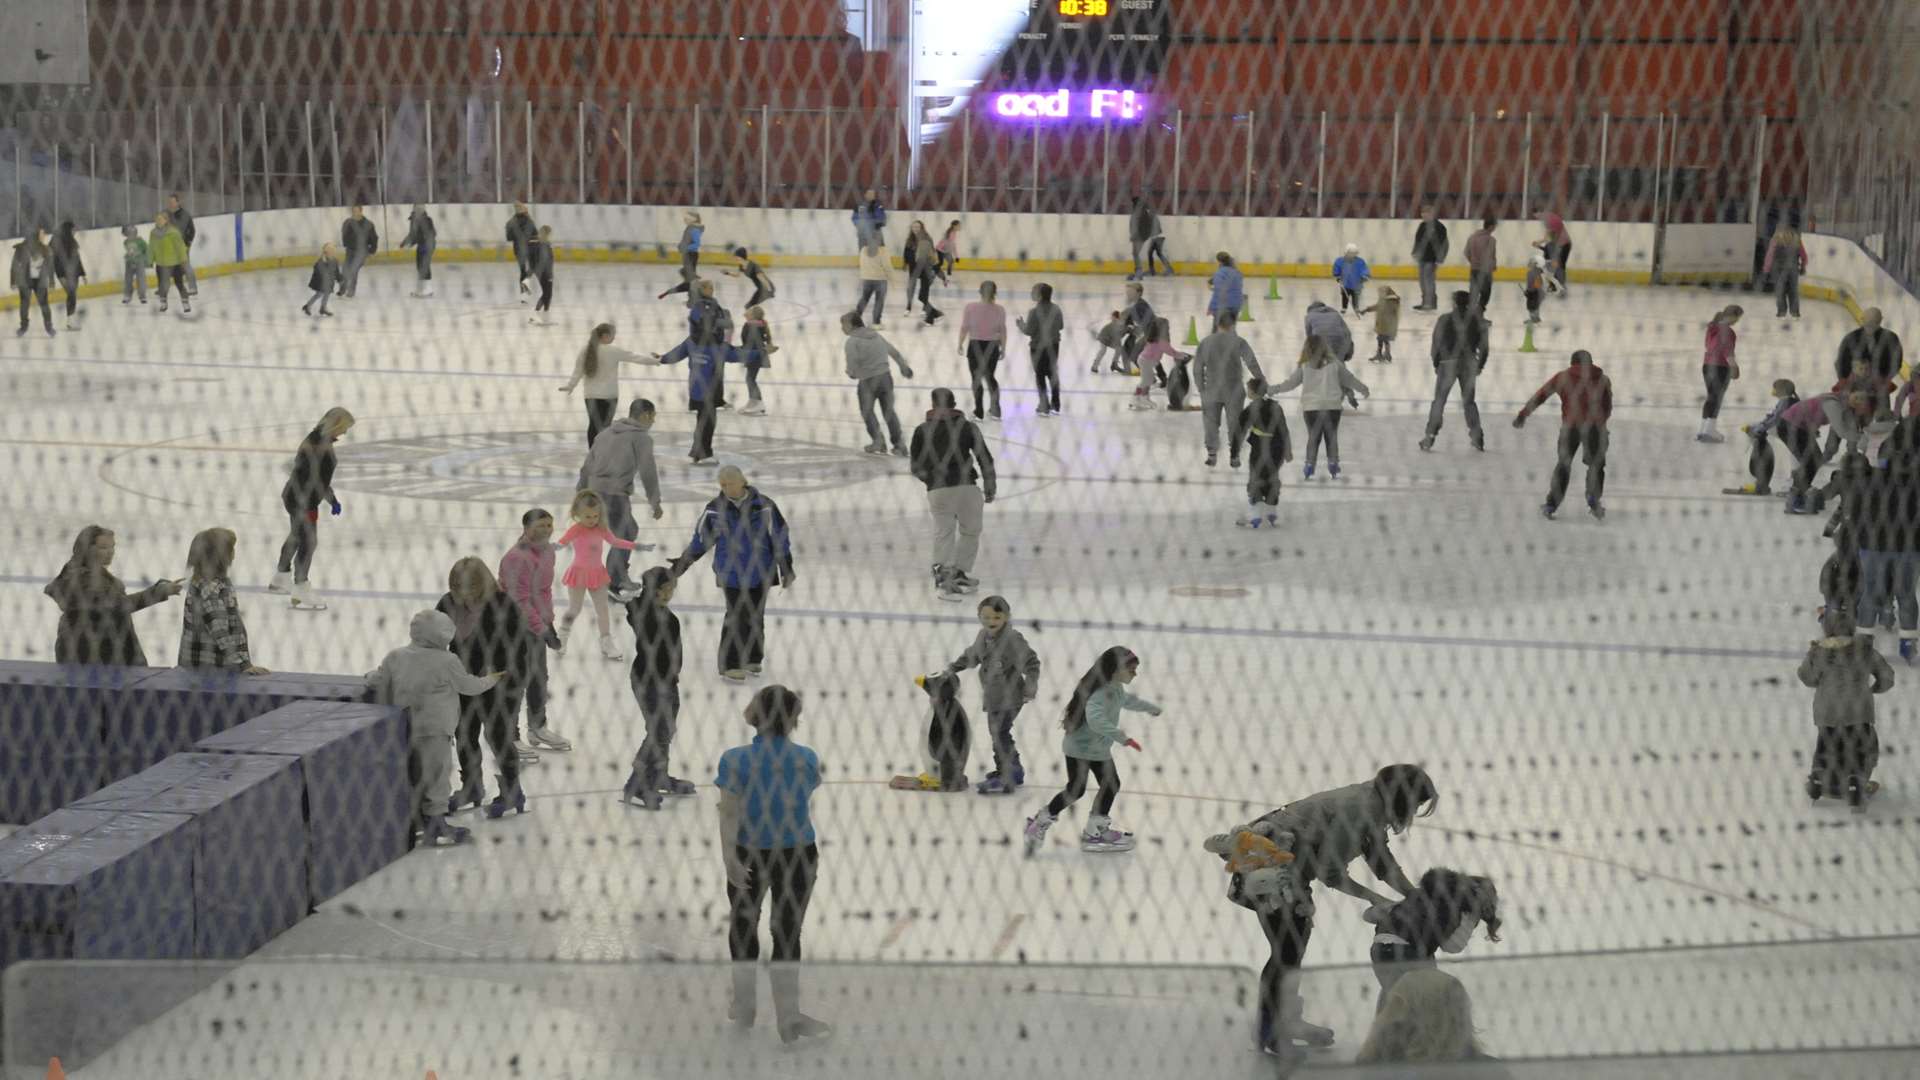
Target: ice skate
x=1856, y=796
x=1306, y=473
x=1426, y=444
x=1298, y=1030
x=801, y=1026
x=753, y=408
x=466, y=797
x=899, y=450
x=876, y=450
x=949, y=592
x=1036, y=835
x=1547, y=510
x=547, y=739
x=1333, y=470
x=1598, y=511
x=1101, y=837
x=753, y=670
x=282, y=582
x=525, y=754
x=678, y=788
x=186, y=307
x=964, y=581
x=609, y=648
x=1233, y=461
x=305, y=599
x=1710, y=437
x=1141, y=402
x=995, y=784
x=437, y=830
x=734, y=675
x=71, y=325
x=510, y=798
x=1816, y=790
x=637, y=791
x=1908, y=651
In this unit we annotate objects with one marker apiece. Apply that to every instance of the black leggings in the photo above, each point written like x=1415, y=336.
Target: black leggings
x=36, y=287
x=1046, y=375
x=303, y=538
x=926, y=306
x=983, y=359
x=546, y=293
x=789, y=874
x=177, y=273
x=71, y=283
x=1717, y=376
x=689, y=269
x=1323, y=429
x=1104, y=774
x=599, y=415
x=491, y=714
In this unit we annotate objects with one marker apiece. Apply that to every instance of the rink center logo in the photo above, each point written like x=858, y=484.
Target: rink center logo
x=520, y=468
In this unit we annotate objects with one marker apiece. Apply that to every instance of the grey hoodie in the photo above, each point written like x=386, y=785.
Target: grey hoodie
x=622, y=450
x=1009, y=669
x=1220, y=367
x=867, y=354
x=1327, y=324
x=1845, y=673
x=426, y=679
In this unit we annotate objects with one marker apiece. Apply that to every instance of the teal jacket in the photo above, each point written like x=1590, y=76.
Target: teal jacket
x=1094, y=740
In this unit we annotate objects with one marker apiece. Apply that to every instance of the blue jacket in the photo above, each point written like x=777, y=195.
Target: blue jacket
x=690, y=238
x=1351, y=272
x=749, y=542
x=704, y=375
x=869, y=216
x=1229, y=290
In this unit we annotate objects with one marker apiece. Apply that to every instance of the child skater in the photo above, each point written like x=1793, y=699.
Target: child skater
x=428, y=680
x=755, y=274
x=756, y=352
x=1109, y=335
x=323, y=281
x=540, y=262
x=1043, y=326
x=1323, y=381
x=689, y=249
x=1268, y=447
x=1386, y=324
x=1009, y=681
x=948, y=250
x=588, y=536
x=655, y=680
x=1535, y=287
x=1760, y=458
x=134, y=263
x=1845, y=671
x=1440, y=914
x=1092, y=723
x=1158, y=348
x=212, y=633
x=1351, y=271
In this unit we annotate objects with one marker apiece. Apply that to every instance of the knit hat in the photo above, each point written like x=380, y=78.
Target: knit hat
x=1353, y=249
x=1249, y=851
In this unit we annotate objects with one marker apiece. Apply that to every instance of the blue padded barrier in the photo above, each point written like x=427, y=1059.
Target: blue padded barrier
x=249, y=841
x=53, y=724
x=353, y=763
x=98, y=885
x=174, y=709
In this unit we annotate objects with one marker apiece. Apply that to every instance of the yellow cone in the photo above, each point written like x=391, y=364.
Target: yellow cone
x=1526, y=342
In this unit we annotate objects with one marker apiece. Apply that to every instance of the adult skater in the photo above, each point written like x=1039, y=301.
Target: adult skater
x=691, y=232
x=875, y=269
x=68, y=268
x=1483, y=258
x=96, y=610
x=752, y=552
x=1229, y=287
x=526, y=573
x=1329, y=326
x=950, y=456
x=422, y=237
x=540, y=264
x=1786, y=261
x=489, y=635
x=598, y=366
x=1845, y=417
x=1325, y=383
x=1586, y=404
x=169, y=251
x=746, y=267
x=619, y=455
x=1323, y=833
x=1044, y=324
x=867, y=354
x=1430, y=248
x=1137, y=315
x=1718, y=369
x=309, y=483
x=1459, y=353
x=1889, y=544
x=870, y=221
x=1556, y=247
x=1870, y=347
x=1221, y=365
x=983, y=341
x=768, y=846
x=33, y=274
x=1145, y=232
x=654, y=679
x=709, y=331
x=358, y=241
x=922, y=260
x=522, y=232
x=183, y=221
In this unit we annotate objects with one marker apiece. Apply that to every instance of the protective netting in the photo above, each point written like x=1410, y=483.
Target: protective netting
x=1610, y=706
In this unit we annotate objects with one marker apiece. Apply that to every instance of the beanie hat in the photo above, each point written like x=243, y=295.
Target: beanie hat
x=1353, y=249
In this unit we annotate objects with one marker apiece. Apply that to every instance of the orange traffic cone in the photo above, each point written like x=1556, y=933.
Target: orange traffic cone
x=54, y=1071
x=431, y=1076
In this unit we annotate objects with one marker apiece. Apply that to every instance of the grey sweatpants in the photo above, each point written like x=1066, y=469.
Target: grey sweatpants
x=660, y=709
x=350, y=278
x=1429, y=284
x=131, y=278
x=432, y=772
x=1210, y=411
x=621, y=524
x=959, y=515
x=876, y=392
x=1463, y=372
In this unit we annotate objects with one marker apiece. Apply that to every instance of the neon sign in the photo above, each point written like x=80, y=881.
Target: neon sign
x=1063, y=104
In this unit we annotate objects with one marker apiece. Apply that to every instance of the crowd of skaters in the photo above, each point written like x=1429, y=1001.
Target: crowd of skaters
x=498, y=629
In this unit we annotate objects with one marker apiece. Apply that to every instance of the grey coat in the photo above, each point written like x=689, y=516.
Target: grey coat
x=1009, y=669
x=1221, y=364
x=421, y=232
x=868, y=353
x=622, y=451
x=427, y=679
x=1330, y=326
x=1043, y=325
x=1845, y=673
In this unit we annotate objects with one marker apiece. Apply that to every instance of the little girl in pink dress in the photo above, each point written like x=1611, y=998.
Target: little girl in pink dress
x=588, y=538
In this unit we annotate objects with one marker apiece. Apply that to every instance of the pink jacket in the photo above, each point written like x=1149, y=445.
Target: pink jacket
x=1810, y=414
x=982, y=321
x=1720, y=342
x=526, y=573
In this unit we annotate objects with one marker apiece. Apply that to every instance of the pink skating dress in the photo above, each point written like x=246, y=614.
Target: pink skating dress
x=589, y=569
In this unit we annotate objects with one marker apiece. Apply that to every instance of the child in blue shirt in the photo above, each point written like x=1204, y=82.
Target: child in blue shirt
x=1351, y=271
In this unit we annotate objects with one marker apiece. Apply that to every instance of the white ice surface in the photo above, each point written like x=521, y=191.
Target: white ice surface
x=1610, y=710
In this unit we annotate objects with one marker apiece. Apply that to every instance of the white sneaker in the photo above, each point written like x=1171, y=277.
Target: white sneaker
x=305, y=599
x=609, y=649
x=282, y=582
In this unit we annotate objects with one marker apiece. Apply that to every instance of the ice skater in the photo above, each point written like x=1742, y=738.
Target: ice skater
x=1483, y=260
x=358, y=241
x=923, y=267
x=870, y=220
x=620, y=455
x=1221, y=366
x=489, y=635
x=1760, y=460
x=1717, y=369
x=1786, y=260
x=1269, y=446
x=1586, y=404
x=655, y=682
x=983, y=341
x=1044, y=324
x=1440, y=915
x=422, y=237
x=169, y=252
x=1352, y=272
x=875, y=269
x=1845, y=672
x=1146, y=232
x=309, y=483
x=948, y=248
x=1846, y=417
x=756, y=354
x=692, y=230
x=1092, y=723
x=587, y=577
x=323, y=280
x=526, y=573
x=866, y=355
x=1150, y=363
x=134, y=263
x=540, y=265
x=1111, y=335
x=1139, y=316
x=1325, y=383
x=1009, y=681
x=1228, y=290
x=213, y=635
x=706, y=349
x=1385, y=310
x=32, y=275
x=189, y=232
x=950, y=457
x=426, y=679
x=746, y=267
x=598, y=367
x=1323, y=833
x=522, y=232
x=1533, y=289
x=69, y=269
x=1459, y=353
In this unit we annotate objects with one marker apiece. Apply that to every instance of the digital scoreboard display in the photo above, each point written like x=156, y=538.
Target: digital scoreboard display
x=1088, y=43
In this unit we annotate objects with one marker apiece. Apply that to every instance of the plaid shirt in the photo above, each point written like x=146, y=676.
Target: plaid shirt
x=212, y=635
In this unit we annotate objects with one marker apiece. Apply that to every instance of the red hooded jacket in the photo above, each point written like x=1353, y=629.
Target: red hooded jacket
x=1586, y=396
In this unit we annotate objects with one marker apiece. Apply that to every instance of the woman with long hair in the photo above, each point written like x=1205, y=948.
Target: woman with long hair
x=598, y=366
x=212, y=634
x=96, y=610
x=1717, y=369
x=309, y=483
x=32, y=273
x=1092, y=724
x=489, y=635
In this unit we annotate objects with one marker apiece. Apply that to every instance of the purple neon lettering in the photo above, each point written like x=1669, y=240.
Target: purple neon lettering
x=1104, y=103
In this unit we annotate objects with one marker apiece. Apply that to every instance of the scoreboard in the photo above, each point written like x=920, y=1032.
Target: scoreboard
x=1089, y=43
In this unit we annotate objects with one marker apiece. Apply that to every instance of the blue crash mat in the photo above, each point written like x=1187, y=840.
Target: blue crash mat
x=53, y=724
x=177, y=708
x=98, y=885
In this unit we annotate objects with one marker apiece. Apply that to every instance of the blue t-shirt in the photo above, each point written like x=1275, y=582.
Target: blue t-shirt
x=774, y=778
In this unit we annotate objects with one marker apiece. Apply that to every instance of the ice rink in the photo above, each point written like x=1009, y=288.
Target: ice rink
x=1609, y=708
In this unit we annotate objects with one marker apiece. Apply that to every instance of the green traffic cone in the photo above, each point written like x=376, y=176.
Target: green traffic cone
x=1246, y=311
x=1193, y=331
x=1526, y=342
x=1273, y=288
